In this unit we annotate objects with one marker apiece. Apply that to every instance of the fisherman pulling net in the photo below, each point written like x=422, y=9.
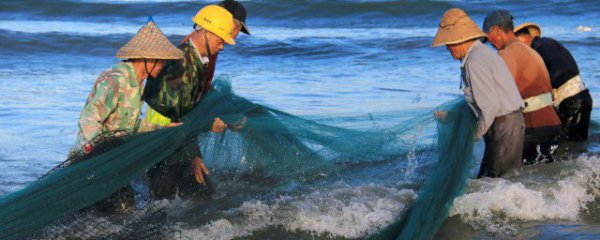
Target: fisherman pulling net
x=276, y=146
x=76, y=199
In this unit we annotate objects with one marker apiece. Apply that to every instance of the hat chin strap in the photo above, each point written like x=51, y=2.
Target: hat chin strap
x=146, y=67
x=207, y=45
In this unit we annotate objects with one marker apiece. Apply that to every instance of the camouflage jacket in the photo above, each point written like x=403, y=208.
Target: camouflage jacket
x=115, y=103
x=180, y=85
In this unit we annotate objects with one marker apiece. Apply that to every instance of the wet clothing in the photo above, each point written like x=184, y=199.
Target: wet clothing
x=574, y=112
x=488, y=86
x=114, y=104
x=494, y=98
x=503, y=145
x=540, y=144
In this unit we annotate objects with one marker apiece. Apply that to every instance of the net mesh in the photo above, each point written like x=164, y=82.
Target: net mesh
x=447, y=180
x=273, y=145
x=149, y=223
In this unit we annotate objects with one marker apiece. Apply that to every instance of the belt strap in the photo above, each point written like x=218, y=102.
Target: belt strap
x=538, y=102
x=571, y=88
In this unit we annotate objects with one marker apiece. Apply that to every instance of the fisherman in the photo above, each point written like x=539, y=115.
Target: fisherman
x=490, y=92
x=238, y=12
x=572, y=99
x=213, y=25
x=115, y=101
x=542, y=125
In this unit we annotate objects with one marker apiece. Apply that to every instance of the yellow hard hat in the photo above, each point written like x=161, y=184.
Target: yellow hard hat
x=216, y=20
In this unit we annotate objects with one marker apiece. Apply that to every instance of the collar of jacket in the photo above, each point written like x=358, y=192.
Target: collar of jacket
x=203, y=59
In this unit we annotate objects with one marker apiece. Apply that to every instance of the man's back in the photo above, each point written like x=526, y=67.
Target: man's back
x=558, y=60
x=532, y=79
x=489, y=87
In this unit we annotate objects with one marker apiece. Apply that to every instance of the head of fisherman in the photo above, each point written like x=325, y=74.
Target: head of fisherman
x=526, y=32
x=239, y=16
x=148, y=50
x=214, y=26
x=499, y=28
x=457, y=31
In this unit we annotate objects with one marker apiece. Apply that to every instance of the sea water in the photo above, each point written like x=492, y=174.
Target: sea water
x=355, y=64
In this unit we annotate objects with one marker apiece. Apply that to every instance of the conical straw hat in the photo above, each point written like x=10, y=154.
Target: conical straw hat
x=534, y=29
x=149, y=43
x=456, y=27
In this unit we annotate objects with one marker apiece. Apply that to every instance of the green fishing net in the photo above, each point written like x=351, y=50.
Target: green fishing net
x=273, y=145
x=448, y=179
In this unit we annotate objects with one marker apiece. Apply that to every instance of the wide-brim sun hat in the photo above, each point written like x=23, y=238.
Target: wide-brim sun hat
x=533, y=29
x=456, y=27
x=150, y=43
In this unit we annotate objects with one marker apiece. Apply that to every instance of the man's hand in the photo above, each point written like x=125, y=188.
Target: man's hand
x=218, y=126
x=440, y=116
x=238, y=125
x=199, y=170
x=174, y=124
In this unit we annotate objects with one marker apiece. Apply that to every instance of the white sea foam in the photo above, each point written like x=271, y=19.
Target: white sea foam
x=279, y=34
x=582, y=28
x=342, y=211
x=497, y=205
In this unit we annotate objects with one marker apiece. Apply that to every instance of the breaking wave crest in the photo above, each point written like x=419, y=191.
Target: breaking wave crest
x=565, y=191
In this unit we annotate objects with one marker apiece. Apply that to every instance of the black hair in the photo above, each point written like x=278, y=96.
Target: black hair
x=507, y=26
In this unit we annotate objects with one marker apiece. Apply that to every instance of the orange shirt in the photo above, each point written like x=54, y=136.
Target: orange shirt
x=531, y=76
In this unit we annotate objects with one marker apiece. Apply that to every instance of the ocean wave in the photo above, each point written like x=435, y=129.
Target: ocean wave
x=78, y=28
x=260, y=32
x=270, y=33
x=299, y=13
x=345, y=211
x=261, y=9
x=560, y=191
